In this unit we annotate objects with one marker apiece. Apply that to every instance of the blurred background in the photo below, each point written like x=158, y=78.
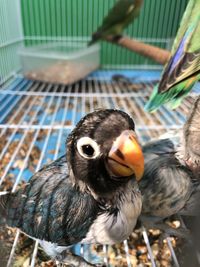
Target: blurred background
x=39, y=22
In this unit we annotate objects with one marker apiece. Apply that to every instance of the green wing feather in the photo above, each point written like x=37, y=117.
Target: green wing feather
x=173, y=97
x=122, y=10
x=183, y=68
x=190, y=17
x=118, y=18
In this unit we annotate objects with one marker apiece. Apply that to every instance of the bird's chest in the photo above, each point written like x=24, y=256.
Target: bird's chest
x=114, y=227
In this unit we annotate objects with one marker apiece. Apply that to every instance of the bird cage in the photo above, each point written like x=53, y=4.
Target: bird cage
x=32, y=23
x=36, y=117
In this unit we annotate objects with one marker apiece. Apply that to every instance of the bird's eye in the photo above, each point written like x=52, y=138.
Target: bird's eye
x=88, y=148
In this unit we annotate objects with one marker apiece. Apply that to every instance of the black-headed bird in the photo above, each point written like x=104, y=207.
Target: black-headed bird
x=171, y=181
x=89, y=195
x=183, y=68
x=118, y=18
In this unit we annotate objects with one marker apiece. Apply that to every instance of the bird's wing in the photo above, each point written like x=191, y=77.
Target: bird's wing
x=182, y=65
x=191, y=132
x=155, y=148
x=165, y=186
x=121, y=10
x=191, y=208
x=50, y=208
x=185, y=60
x=183, y=68
x=190, y=20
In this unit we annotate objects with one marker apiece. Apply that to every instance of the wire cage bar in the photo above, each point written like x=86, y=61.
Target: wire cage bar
x=44, y=120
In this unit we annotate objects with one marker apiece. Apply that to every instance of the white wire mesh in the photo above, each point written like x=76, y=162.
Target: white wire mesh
x=40, y=114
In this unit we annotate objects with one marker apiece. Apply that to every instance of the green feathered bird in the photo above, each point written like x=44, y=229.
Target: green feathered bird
x=183, y=68
x=118, y=18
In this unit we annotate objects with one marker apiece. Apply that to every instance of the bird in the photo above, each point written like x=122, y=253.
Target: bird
x=86, y=195
x=117, y=19
x=183, y=68
x=171, y=180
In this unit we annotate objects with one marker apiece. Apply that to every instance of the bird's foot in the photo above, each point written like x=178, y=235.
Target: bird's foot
x=156, y=223
x=116, y=38
x=60, y=264
x=67, y=258
x=180, y=232
x=113, y=38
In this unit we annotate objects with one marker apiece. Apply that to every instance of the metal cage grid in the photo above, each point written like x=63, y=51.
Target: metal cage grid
x=40, y=115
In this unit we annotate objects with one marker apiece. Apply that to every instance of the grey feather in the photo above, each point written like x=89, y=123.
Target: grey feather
x=171, y=183
x=192, y=137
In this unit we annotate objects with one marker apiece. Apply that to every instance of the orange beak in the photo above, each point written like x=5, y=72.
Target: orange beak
x=125, y=157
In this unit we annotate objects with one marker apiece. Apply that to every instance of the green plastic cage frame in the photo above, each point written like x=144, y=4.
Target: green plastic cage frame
x=38, y=22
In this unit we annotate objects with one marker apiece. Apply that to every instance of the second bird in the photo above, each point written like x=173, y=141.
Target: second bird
x=118, y=18
x=171, y=184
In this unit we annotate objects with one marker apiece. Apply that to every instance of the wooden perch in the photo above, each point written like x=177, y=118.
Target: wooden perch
x=155, y=53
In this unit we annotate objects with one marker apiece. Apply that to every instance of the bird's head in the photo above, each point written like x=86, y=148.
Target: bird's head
x=103, y=150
